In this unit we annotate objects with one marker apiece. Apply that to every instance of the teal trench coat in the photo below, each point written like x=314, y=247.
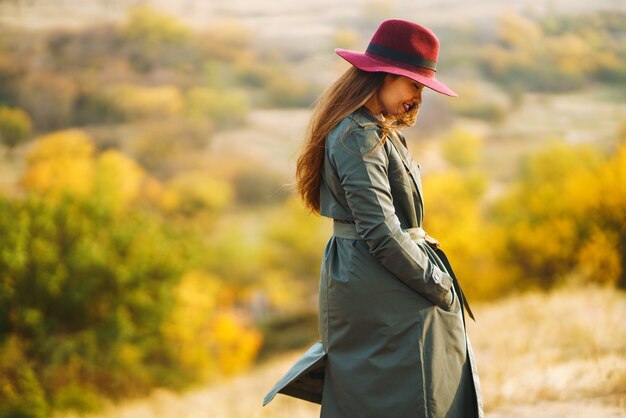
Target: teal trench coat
x=391, y=321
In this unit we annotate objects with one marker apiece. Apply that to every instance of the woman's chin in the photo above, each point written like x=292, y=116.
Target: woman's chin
x=407, y=119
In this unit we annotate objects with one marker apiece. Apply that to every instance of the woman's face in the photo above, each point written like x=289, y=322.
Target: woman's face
x=397, y=95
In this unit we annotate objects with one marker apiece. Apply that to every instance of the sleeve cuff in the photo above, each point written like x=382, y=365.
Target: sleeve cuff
x=445, y=282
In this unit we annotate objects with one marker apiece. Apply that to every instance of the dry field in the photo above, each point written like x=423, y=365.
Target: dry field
x=539, y=355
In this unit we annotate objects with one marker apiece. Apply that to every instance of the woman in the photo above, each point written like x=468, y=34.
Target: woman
x=393, y=340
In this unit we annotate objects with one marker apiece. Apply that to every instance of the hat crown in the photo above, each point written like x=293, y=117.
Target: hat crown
x=408, y=38
x=402, y=48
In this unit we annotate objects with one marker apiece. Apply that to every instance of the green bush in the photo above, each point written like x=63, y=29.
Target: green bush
x=21, y=392
x=15, y=126
x=103, y=290
x=78, y=399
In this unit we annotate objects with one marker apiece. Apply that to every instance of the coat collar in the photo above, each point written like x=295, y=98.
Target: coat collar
x=365, y=119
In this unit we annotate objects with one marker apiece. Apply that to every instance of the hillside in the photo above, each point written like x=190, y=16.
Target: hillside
x=152, y=242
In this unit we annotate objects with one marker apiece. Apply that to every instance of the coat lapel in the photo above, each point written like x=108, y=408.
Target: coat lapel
x=400, y=145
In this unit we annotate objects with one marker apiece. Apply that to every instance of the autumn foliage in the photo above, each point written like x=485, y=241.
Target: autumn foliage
x=133, y=258
x=100, y=294
x=561, y=222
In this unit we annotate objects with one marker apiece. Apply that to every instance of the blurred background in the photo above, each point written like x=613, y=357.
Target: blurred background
x=154, y=261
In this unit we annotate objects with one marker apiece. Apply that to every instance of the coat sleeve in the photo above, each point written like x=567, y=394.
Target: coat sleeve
x=361, y=163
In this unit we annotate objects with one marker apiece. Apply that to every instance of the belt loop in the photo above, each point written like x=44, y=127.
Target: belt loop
x=345, y=230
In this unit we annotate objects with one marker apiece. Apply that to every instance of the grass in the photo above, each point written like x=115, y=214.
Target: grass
x=561, y=354
x=562, y=347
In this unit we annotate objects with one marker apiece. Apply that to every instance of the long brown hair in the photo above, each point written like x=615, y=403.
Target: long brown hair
x=351, y=91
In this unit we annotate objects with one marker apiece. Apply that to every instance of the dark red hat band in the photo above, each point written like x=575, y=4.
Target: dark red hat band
x=393, y=54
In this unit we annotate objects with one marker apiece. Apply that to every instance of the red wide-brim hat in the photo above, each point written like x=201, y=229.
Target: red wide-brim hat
x=403, y=48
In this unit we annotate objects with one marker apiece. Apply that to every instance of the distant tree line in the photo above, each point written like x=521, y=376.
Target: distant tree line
x=557, y=53
x=151, y=67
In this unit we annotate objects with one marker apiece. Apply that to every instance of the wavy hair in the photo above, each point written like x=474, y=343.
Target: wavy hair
x=347, y=94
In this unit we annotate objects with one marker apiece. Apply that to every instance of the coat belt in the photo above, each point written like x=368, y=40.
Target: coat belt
x=348, y=231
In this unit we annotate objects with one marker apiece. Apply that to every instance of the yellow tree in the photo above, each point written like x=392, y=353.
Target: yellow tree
x=548, y=216
x=60, y=162
x=118, y=180
x=610, y=203
x=457, y=194
x=138, y=102
x=454, y=215
x=206, y=334
x=195, y=193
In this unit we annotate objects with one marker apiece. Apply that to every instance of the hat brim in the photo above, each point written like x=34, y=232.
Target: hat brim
x=370, y=63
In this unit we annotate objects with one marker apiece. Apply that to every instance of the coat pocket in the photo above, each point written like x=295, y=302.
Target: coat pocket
x=456, y=305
